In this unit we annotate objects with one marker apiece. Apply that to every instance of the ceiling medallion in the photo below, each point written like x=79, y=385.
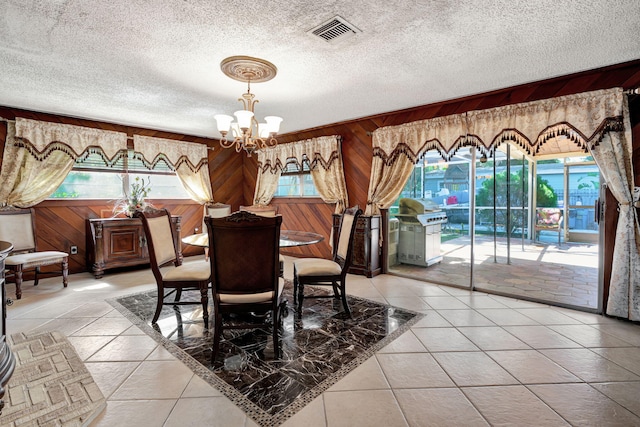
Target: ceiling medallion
x=249, y=135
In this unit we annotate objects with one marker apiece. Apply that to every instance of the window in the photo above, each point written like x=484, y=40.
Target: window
x=93, y=178
x=296, y=182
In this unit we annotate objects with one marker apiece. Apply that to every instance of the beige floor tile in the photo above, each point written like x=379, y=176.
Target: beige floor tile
x=531, y=367
x=438, y=407
x=410, y=303
x=45, y=310
x=506, y=317
x=628, y=358
x=444, y=339
x=548, y=316
x=432, y=319
x=15, y=326
x=445, y=303
x=205, y=411
x=105, y=326
x=625, y=393
x=311, y=415
x=363, y=409
x=87, y=346
x=589, y=336
x=481, y=301
x=134, y=413
x=589, y=366
x=492, y=338
x=198, y=387
x=512, y=406
x=587, y=406
x=541, y=337
x=628, y=332
x=367, y=376
x=473, y=369
x=91, y=309
x=413, y=370
x=110, y=375
x=465, y=318
x=405, y=343
x=155, y=380
x=160, y=353
x=125, y=348
x=65, y=326
x=133, y=330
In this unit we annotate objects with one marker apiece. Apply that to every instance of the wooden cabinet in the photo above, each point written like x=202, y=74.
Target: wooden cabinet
x=365, y=259
x=7, y=360
x=120, y=242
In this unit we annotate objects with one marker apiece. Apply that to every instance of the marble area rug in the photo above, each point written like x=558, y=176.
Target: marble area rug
x=318, y=348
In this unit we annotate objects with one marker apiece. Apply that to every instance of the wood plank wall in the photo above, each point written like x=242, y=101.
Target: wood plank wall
x=230, y=171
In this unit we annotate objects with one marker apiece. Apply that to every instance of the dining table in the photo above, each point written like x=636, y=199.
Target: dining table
x=288, y=239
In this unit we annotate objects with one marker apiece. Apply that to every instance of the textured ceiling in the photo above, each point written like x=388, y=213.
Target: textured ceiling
x=156, y=64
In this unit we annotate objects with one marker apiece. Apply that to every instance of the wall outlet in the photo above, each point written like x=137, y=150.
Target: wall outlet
x=73, y=250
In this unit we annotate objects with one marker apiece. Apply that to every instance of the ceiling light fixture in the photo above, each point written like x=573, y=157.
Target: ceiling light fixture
x=248, y=134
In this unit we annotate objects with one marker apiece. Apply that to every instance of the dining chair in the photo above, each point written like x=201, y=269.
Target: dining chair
x=243, y=250
x=214, y=210
x=18, y=226
x=328, y=272
x=176, y=277
x=268, y=211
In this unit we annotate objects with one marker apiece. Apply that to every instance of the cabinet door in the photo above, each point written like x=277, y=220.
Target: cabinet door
x=124, y=242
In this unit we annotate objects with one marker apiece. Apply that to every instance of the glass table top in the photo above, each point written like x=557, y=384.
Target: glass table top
x=288, y=239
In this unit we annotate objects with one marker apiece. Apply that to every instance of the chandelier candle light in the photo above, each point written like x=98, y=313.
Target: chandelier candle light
x=248, y=134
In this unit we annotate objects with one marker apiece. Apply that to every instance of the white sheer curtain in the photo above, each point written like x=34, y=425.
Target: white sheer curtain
x=39, y=155
x=324, y=155
x=596, y=122
x=189, y=160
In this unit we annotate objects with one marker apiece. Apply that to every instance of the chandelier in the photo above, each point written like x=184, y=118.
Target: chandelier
x=248, y=134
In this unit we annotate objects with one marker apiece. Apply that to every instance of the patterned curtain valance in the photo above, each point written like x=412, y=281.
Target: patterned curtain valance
x=40, y=139
x=176, y=153
x=320, y=152
x=568, y=123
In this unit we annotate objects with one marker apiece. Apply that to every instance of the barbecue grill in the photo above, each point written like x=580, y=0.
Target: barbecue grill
x=420, y=230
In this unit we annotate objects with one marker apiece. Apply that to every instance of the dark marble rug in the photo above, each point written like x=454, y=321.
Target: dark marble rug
x=318, y=348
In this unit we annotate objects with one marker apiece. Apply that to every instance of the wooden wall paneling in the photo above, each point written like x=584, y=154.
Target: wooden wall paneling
x=306, y=214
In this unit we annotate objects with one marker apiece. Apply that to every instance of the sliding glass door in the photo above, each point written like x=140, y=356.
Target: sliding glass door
x=495, y=238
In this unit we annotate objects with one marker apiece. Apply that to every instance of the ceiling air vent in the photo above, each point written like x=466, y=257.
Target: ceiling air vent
x=334, y=29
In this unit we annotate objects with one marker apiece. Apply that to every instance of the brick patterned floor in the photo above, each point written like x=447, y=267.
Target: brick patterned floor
x=565, y=274
x=50, y=385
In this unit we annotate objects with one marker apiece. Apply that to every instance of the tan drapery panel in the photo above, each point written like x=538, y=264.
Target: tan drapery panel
x=189, y=160
x=324, y=155
x=39, y=155
x=613, y=156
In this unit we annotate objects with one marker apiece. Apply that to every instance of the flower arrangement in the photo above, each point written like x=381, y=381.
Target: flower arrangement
x=134, y=200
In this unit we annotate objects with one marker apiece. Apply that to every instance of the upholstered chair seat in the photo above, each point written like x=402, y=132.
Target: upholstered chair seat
x=328, y=272
x=317, y=267
x=169, y=273
x=18, y=227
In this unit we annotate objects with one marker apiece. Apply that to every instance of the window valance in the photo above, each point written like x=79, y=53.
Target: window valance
x=582, y=120
x=41, y=139
x=320, y=152
x=151, y=150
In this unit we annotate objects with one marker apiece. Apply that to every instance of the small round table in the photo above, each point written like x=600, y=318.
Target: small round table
x=288, y=239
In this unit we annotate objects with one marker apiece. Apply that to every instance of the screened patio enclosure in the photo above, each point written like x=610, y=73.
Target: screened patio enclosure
x=490, y=241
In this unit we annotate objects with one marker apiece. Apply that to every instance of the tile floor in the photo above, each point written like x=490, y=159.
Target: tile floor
x=474, y=359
